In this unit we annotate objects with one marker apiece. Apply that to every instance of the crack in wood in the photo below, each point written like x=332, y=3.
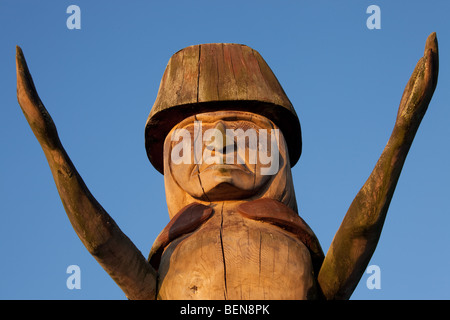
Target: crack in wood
x=198, y=71
x=223, y=255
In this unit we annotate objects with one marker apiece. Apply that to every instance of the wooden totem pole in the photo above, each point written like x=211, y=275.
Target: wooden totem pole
x=225, y=136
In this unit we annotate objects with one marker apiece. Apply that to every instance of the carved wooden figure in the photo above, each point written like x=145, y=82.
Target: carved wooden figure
x=225, y=136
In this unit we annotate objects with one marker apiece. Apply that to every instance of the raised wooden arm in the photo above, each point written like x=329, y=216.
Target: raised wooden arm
x=96, y=229
x=357, y=237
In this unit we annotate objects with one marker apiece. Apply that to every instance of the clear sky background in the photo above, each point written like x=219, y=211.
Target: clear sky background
x=99, y=84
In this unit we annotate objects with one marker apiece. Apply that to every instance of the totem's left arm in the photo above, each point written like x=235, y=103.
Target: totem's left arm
x=357, y=237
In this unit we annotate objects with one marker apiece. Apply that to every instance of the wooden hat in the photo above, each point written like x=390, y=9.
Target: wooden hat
x=217, y=77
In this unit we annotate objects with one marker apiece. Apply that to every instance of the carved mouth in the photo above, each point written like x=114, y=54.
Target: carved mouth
x=223, y=167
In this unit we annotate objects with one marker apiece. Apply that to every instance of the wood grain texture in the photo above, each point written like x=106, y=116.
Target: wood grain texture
x=232, y=257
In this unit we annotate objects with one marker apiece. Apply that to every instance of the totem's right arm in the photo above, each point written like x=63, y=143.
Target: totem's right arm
x=96, y=229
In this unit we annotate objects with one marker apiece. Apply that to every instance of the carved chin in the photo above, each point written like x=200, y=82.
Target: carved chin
x=230, y=185
x=227, y=191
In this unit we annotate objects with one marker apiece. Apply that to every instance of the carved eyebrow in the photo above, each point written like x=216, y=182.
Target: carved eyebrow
x=240, y=124
x=230, y=115
x=248, y=120
x=233, y=116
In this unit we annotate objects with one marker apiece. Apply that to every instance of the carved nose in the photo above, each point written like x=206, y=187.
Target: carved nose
x=219, y=142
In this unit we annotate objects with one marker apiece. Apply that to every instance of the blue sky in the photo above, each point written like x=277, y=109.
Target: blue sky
x=99, y=83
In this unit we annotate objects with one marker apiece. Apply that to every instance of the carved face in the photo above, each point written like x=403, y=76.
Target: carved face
x=226, y=155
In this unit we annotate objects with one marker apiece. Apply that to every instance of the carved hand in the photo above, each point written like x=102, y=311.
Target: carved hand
x=37, y=116
x=420, y=87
